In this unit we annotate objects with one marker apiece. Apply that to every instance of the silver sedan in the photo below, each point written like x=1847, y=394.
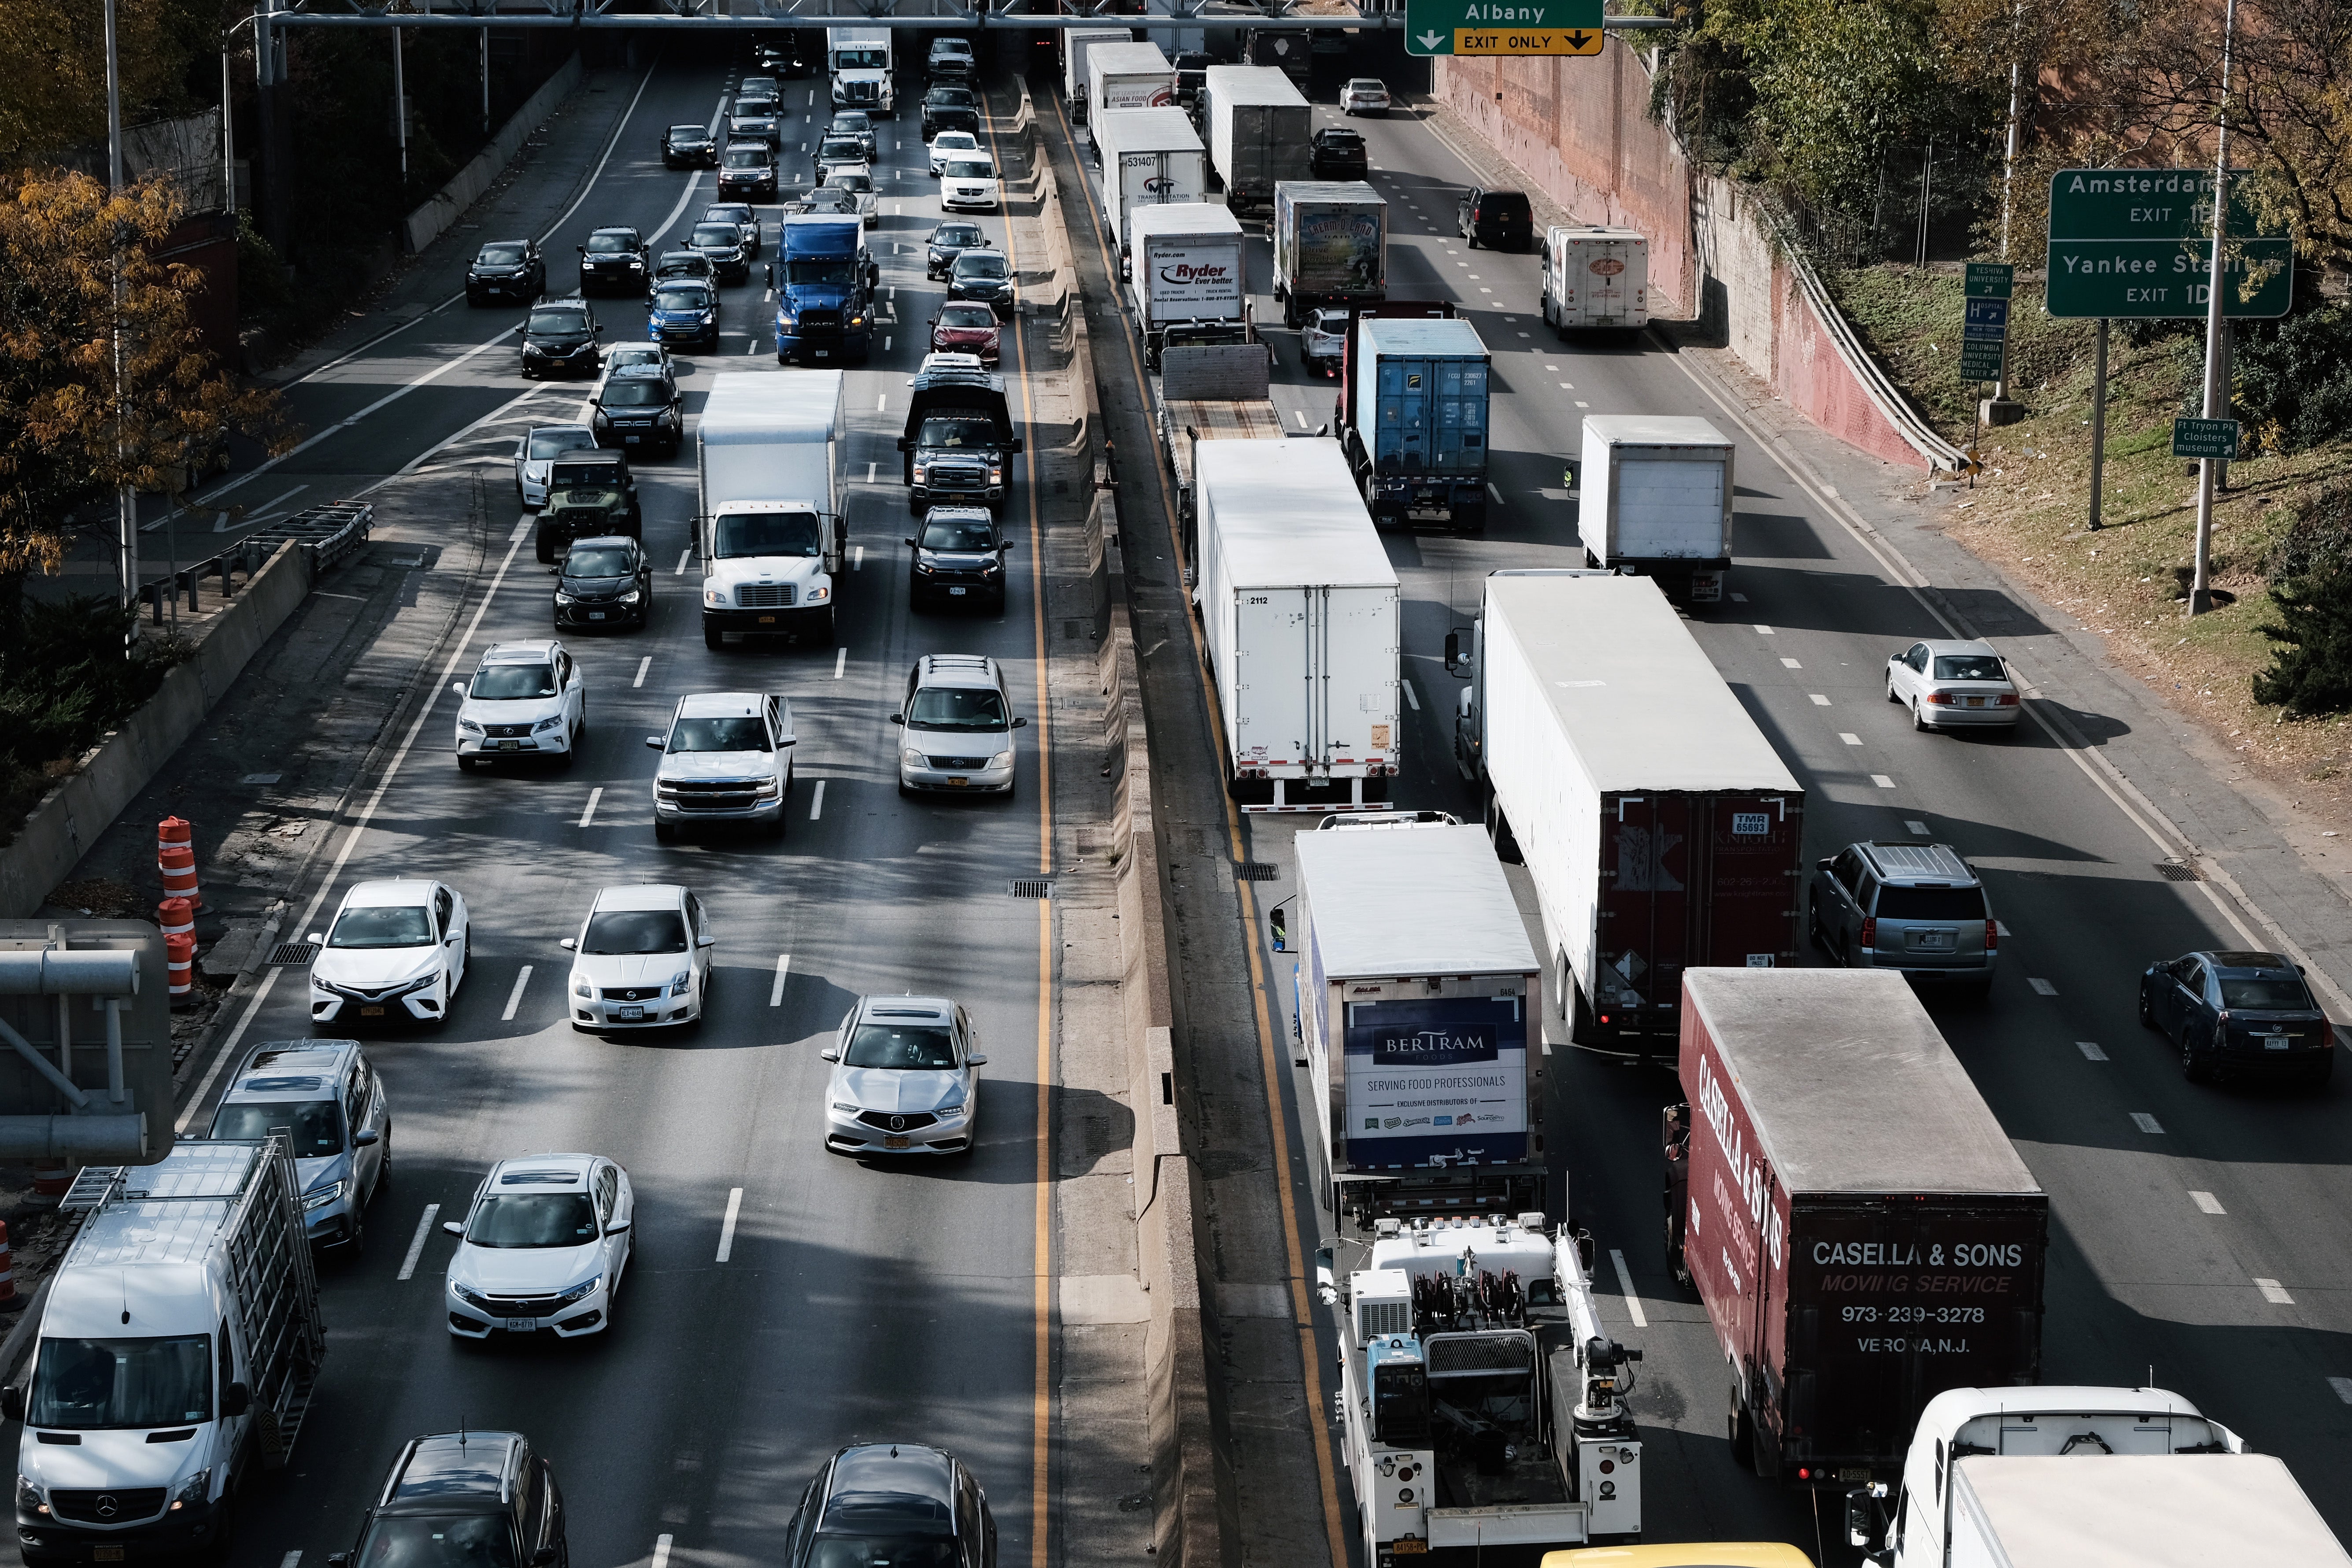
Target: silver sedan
x=541, y=447
x=1953, y=686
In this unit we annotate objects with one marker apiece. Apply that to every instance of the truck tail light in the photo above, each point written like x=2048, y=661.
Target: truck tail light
x=1992, y=935
x=1870, y=931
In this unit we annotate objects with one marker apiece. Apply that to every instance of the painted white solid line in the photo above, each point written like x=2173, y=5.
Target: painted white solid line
x=1882, y=781
x=1818, y=700
x=840, y=662
x=727, y=1230
x=1849, y=737
x=643, y=665
x=2343, y=1387
x=352, y=839
x=1765, y=632
x=521, y=528
x=816, y=802
x=514, y=997
x=886, y=342
x=1413, y=697
x=1787, y=663
x=661, y=1543
x=857, y=558
x=2207, y=1202
x=881, y=401
x=869, y=471
x=269, y=507
x=783, y=968
x=407, y=1267
x=1299, y=414
x=2146, y=1123
x=292, y=1560
x=418, y=461
x=1921, y=829
x=2042, y=987
x=1625, y=1284
x=1496, y=494
x=684, y=556
x=2274, y=1293
x=594, y=795
x=2091, y=1050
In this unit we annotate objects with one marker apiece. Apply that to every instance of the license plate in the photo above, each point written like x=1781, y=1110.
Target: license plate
x=2276, y=1042
x=106, y=1554
x=955, y=593
x=1942, y=938
x=820, y=353
x=1408, y=1548
x=631, y=440
x=627, y=1012
x=1976, y=701
x=1857, y=1475
x=767, y=620
x=894, y=1141
x=958, y=784
x=521, y=1325
x=596, y=615
x=371, y=1012
x=509, y=745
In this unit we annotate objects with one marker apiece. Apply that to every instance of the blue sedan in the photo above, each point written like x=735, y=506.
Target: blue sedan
x=685, y=315
x=2239, y=1013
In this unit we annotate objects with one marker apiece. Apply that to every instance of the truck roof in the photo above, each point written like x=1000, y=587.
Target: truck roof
x=1128, y=59
x=1145, y=131
x=838, y=236
x=144, y=1251
x=1851, y=1085
x=1652, y=430
x=1189, y=218
x=1420, y=335
x=2123, y=1510
x=765, y=407
x=1241, y=85
x=1462, y=920
x=1287, y=513
x=1359, y=190
x=1641, y=705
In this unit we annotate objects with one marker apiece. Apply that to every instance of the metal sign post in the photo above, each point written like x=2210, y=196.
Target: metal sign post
x=2098, y=425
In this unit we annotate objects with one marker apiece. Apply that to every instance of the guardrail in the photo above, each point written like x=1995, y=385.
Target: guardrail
x=325, y=533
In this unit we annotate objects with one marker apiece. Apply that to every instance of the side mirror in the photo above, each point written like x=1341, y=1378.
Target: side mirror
x=616, y=1230
x=339, y=1560
x=1861, y=1517
x=454, y=1227
x=905, y=444
x=1824, y=863
x=1021, y=723
x=1014, y=446
x=932, y=322
x=1277, y=926
x=367, y=1140
x=11, y=1403
x=235, y=1399
x=543, y=1558
x=1007, y=544
x=580, y=249
x=897, y=717
x=569, y=944
x=828, y=1054
x=1453, y=652
x=458, y=687
x=315, y=939
x=910, y=539
x=654, y=741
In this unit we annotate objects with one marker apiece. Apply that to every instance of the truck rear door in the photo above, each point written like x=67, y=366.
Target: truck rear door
x=1458, y=433
x=1274, y=657
x=1353, y=687
x=1691, y=879
x=1669, y=508
x=1604, y=276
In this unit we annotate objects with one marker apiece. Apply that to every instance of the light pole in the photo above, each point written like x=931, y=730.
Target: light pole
x=400, y=112
x=228, y=116
x=126, y=500
x=2200, y=589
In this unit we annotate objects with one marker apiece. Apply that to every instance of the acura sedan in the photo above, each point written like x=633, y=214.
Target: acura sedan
x=905, y=1077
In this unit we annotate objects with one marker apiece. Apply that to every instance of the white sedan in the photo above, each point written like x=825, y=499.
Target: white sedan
x=968, y=182
x=544, y=1245
x=1953, y=686
x=947, y=145
x=1364, y=95
x=396, y=951
x=642, y=958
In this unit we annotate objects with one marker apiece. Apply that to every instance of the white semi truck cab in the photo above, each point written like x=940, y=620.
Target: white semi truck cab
x=770, y=455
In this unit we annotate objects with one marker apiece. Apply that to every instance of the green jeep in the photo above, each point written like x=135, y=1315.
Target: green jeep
x=589, y=494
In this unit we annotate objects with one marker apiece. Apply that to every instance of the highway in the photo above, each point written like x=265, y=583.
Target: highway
x=2194, y=1239
x=783, y=1300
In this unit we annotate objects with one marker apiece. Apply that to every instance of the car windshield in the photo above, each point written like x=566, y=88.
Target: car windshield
x=509, y=683
x=313, y=1130
x=1332, y=321
x=533, y=1219
x=686, y=134
x=545, y=444
x=748, y=535
x=2266, y=992
x=973, y=707
x=1365, y=84
x=820, y=270
x=954, y=97
x=607, y=476
x=854, y=123
x=850, y=180
x=967, y=316
x=957, y=430
x=918, y=1046
x=841, y=150
x=501, y=256
x=1348, y=140
x=829, y=198
x=756, y=109
x=558, y=322
x=1931, y=903
x=647, y=393
x=629, y=354
x=684, y=264
x=731, y=212
x=634, y=932
x=741, y=732
x=970, y=169
x=603, y=561
x=965, y=533
x=955, y=141
x=956, y=233
x=681, y=299
x=609, y=243
x=463, y=1541
x=719, y=235
x=872, y=58
x=1968, y=667
x=94, y=1385
x=384, y=925
x=746, y=158
x=986, y=265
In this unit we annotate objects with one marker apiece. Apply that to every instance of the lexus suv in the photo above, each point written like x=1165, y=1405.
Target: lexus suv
x=542, y=1246
x=526, y=699
x=958, y=724
x=726, y=758
x=1914, y=908
x=905, y=1078
x=465, y=1498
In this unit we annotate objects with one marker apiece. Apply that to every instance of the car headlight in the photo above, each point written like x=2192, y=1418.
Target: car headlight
x=585, y=1288
x=921, y=469
x=546, y=724
x=950, y=1112
x=857, y=320
x=784, y=321
x=988, y=566
x=1002, y=760
x=679, y=982
x=769, y=789
x=196, y=1489
x=469, y=727
x=471, y=1297
x=817, y=596
x=842, y=1106
x=925, y=567
x=911, y=757
x=563, y=598
x=996, y=476
x=580, y=987
x=631, y=597
x=715, y=597
x=29, y=1495
x=319, y=1197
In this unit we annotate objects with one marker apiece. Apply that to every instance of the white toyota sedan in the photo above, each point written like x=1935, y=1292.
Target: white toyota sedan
x=543, y=1245
x=396, y=952
x=642, y=958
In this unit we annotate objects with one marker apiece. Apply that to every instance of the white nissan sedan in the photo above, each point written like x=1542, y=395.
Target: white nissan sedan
x=1953, y=686
x=544, y=1245
x=396, y=952
x=642, y=958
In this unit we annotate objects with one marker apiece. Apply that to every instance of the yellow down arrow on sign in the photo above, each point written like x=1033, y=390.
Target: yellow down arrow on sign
x=1527, y=40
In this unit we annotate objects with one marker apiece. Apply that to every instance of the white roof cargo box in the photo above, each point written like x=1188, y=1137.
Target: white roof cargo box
x=1287, y=516
x=1464, y=920
x=2147, y=1511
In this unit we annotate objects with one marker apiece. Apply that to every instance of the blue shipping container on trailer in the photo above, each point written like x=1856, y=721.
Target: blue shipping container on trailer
x=1417, y=420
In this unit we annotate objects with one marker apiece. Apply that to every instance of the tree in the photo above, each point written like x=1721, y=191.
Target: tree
x=63, y=438
x=2311, y=671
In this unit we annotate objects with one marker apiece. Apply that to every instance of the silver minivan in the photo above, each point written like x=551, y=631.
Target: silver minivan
x=326, y=1098
x=1914, y=908
x=958, y=724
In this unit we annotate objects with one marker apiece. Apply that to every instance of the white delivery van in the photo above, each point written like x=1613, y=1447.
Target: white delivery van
x=770, y=455
x=1595, y=278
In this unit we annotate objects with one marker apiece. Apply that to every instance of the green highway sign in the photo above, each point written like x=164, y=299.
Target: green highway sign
x=1981, y=359
x=2136, y=243
x=1990, y=279
x=1486, y=27
x=2213, y=438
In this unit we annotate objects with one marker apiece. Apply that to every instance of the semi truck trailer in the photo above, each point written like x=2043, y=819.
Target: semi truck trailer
x=1412, y=415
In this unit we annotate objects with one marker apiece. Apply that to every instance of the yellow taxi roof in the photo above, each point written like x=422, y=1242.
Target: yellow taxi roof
x=1686, y=1554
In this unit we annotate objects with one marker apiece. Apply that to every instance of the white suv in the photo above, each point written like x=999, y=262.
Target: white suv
x=526, y=699
x=728, y=757
x=642, y=958
x=959, y=724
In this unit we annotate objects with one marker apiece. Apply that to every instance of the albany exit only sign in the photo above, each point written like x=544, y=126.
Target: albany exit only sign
x=1486, y=28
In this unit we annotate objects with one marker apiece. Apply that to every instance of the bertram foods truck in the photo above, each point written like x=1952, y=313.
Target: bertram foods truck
x=770, y=459
x=1862, y=1233
x=1298, y=608
x=179, y=1345
x=1415, y=991
x=1659, y=827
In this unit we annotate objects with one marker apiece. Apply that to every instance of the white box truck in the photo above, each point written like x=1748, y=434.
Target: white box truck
x=1419, y=1009
x=1330, y=246
x=1659, y=827
x=1185, y=271
x=1259, y=125
x=1299, y=604
x=179, y=1345
x=770, y=459
x=1076, y=43
x=1654, y=500
x=1128, y=75
x=858, y=61
x=1149, y=157
x=1595, y=278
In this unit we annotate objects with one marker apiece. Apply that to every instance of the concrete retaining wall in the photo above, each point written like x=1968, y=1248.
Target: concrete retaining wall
x=428, y=223
x=112, y=774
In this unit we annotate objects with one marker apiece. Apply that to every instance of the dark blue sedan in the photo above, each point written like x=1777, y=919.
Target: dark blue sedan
x=685, y=315
x=2246, y=1012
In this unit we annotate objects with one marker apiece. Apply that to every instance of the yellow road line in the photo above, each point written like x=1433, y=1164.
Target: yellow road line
x=1334, y=1526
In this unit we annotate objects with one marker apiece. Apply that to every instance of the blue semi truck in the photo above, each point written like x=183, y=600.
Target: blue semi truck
x=823, y=277
x=1412, y=415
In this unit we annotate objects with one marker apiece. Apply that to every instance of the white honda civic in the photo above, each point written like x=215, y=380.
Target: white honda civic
x=543, y=1245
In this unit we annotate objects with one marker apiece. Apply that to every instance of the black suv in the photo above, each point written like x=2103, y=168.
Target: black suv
x=559, y=338
x=747, y=170
x=898, y=1502
x=957, y=442
x=508, y=270
x=958, y=555
x=756, y=118
x=1337, y=154
x=722, y=244
x=948, y=108
x=1501, y=219
x=948, y=241
x=638, y=405
x=615, y=258
x=462, y=1498
x=688, y=147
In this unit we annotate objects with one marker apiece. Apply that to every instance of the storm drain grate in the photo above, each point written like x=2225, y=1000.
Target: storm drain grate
x=2178, y=872
x=1257, y=871
x=293, y=955
x=1032, y=887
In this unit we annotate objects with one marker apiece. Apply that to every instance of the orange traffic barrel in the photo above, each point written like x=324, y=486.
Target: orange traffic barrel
x=180, y=966
x=174, y=831
x=8, y=1302
x=178, y=865
x=177, y=916
x=52, y=1178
